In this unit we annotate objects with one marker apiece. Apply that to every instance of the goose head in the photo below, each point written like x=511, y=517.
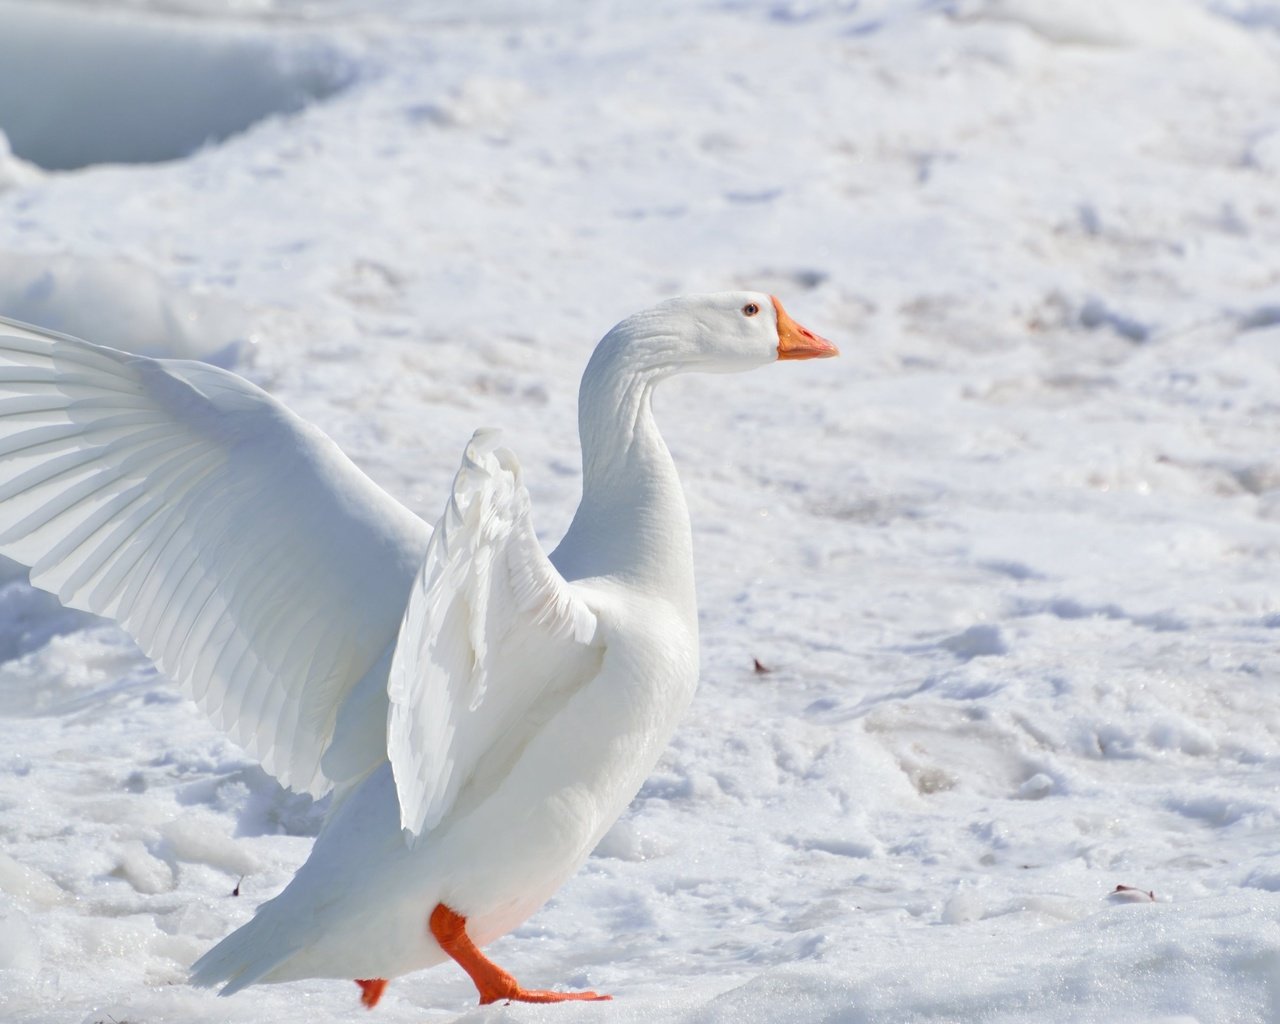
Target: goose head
x=724, y=332
x=633, y=521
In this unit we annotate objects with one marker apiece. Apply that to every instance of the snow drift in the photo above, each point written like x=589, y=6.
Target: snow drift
x=80, y=87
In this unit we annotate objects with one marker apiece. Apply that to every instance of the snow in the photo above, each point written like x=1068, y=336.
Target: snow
x=1010, y=562
x=77, y=91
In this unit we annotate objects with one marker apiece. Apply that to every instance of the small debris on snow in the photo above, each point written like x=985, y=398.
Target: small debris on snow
x=1132, y=894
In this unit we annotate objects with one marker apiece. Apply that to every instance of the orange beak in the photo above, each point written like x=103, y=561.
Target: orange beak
x=796, y=342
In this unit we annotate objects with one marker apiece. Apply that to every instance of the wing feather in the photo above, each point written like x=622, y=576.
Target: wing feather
x=246, y=555
x=490, y=628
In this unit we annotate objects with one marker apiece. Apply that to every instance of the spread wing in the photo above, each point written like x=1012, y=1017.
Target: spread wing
x=491, y=627
x=247, y=556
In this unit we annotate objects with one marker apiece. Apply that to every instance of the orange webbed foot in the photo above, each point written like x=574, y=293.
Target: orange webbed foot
x=371, y=990
x=493, y=983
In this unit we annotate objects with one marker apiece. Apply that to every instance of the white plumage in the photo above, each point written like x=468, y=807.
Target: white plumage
x=483, y=712
x=486, y=599
x=194, y=509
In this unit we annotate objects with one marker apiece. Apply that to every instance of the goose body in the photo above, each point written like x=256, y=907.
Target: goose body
x=482, y=712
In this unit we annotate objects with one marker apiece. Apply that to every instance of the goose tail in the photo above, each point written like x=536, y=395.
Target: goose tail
x=245, y=957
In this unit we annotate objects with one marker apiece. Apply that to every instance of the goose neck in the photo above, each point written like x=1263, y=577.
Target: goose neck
x=632, y=521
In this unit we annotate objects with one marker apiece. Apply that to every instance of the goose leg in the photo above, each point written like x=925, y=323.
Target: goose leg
x=371, y=990
x=450, y=930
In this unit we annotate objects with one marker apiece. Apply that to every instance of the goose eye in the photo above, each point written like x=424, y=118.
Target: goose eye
x=750, y=309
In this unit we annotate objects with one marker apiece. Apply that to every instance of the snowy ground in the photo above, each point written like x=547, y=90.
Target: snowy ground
x=1013, y=561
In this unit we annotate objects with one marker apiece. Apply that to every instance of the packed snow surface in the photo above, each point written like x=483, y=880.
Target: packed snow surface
x=1012, y=563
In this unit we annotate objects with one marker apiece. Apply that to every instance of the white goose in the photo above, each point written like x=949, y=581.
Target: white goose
x=483, y=713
